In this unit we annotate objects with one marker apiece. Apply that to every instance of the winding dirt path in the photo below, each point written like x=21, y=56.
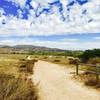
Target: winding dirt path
x=55, y=84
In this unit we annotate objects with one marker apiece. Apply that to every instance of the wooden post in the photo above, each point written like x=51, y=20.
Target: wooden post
x=77, y=68
x=97, y=74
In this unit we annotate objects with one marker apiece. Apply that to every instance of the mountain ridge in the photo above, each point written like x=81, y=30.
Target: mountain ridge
x=26, y=48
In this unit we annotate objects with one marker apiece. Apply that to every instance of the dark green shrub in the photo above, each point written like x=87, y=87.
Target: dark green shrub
x=90, y=54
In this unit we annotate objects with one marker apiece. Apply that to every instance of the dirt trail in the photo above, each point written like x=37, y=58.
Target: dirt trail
x=55, y=84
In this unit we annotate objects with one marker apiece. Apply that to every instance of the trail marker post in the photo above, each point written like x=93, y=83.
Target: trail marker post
x=77, y=67
x=97, y=73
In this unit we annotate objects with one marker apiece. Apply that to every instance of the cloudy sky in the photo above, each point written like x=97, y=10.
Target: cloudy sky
x=65, y=24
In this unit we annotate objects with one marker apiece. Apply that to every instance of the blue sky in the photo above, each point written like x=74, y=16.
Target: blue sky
x=65, y=24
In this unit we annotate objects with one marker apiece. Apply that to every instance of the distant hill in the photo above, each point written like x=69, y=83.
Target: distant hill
x=26, y=49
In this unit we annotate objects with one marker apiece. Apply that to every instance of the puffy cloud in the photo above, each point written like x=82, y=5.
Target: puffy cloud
x=52, y=22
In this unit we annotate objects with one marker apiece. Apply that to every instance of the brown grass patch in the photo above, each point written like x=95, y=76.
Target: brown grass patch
x=27, y=66
x=12, y=88
x=88, y=79
x=14, y=84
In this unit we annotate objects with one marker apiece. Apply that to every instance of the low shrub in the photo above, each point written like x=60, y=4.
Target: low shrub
x=45, y=57
x=91, y=82
x=27, y=66
x=57, y=60
x=94, y=60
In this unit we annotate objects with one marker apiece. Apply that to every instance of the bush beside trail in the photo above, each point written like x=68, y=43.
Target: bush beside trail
x=27, y=65
x=90, y=54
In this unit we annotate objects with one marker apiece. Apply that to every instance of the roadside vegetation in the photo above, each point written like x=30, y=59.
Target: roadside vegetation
x=69, y=59
x=89, y=57
x=14, y=84
x=14, y=70
x=12, y=88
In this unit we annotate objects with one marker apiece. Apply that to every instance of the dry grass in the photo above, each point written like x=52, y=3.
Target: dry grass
x=27, y=66
x=14, y=85
x=94, y=60
x=88, y=80
x=57, y=59
x=12, y=88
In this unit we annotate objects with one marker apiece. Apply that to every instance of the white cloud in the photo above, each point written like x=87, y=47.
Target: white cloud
x=51, y=24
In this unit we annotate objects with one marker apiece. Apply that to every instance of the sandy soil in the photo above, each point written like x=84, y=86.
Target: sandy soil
x=55, y=83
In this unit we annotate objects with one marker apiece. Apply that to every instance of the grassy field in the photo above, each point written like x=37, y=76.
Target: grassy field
x=56, y=59
x=13, y=76
x=13, y=85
